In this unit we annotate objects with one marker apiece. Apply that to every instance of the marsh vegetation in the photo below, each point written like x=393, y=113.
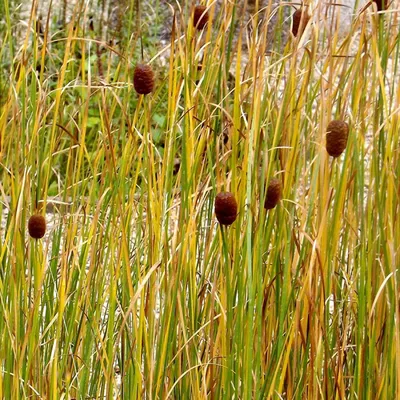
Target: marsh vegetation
x=132, y=129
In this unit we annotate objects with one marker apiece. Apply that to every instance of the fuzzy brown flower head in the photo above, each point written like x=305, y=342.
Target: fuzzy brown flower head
x=336, y=137
x=37, y=226
x=274, y=193
x=381, y=4
x=200, y=17
x=300, y=19
x=143, y=79
x=226, y=208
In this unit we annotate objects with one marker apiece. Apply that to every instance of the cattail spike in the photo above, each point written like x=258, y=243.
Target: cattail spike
x=37, y=226
x=143, y=79
x=300, y=20
x=200, y=17
x=226, y=208
x=381, y=4
x=337, y=133
x=274, y=193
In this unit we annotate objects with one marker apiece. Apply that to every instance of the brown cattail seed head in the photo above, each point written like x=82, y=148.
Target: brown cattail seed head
x=381, y=4
x=143, y=79
x=274, y=193
x=177, y=165
x=37, y=226
x=91, y=23
x=225, y=208
x=300, y=18
x=200, y=17
x=336, y=137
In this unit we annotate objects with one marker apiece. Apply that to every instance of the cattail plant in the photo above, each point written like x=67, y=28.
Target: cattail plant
x=37, y=226
x=336, y=137
x=274, y=194
x=143, y=79
x=200, y=17
x=300, y=20
x=226, y=208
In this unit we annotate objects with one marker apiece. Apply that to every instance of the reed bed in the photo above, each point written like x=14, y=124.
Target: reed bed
x=136, y=291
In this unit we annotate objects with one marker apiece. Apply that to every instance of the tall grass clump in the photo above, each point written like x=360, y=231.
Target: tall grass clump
x=136, y=290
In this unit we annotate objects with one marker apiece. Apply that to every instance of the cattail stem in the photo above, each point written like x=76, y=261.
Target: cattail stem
x=141, y=46
x=226, y=270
